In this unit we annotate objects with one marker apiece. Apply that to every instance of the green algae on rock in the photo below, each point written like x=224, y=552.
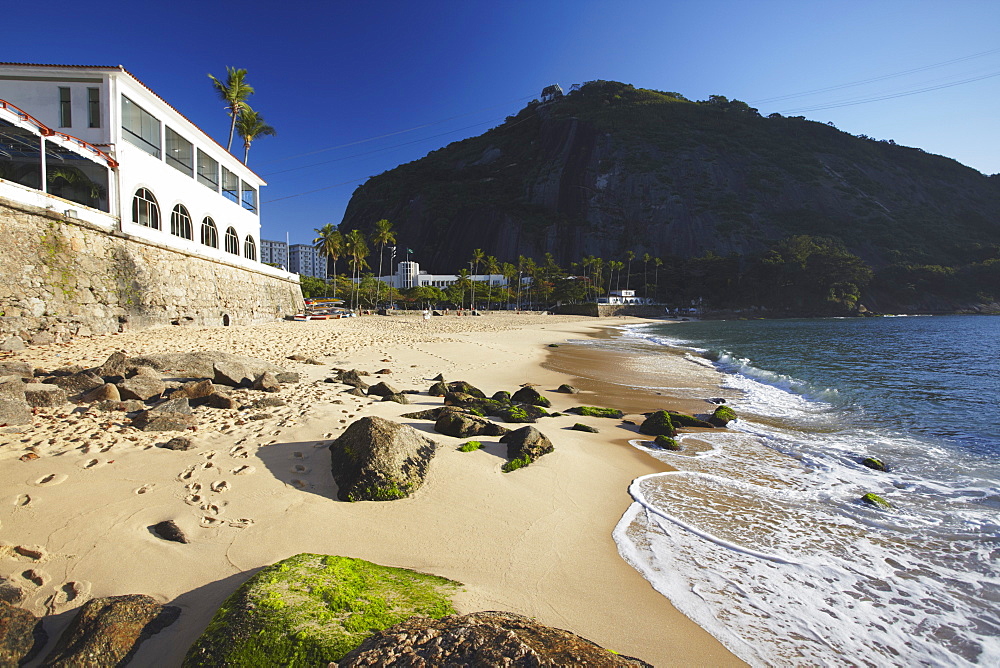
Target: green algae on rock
x=658, y=423
x=311, y=609
x=596, y=411
x=470, y=446
x=666, y=442
x=873, y=463
x=722, y=416
x=875, y=500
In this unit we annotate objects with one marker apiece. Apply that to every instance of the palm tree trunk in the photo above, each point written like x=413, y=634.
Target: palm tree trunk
x=232, y=130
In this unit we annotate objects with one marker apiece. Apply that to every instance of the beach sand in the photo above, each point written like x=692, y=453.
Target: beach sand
x=535, y=542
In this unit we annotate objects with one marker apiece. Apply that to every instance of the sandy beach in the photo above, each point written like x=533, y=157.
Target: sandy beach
x=536, y=542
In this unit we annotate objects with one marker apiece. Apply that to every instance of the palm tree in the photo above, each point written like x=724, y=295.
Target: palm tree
x=645, y=281
x=598, y=264
x=251, y=125
x=356, y=247
x=509, y=272
x=657, y=263
x=234, y=93
x=382, y=235
x=330, y=244
x=492, y=268
x=477, y=257
x=629, y=256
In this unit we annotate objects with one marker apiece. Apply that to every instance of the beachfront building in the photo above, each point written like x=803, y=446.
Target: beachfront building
x=274, y=252
x=408, y=275
x=305, y=260
x=94, y=142
x=623, y=297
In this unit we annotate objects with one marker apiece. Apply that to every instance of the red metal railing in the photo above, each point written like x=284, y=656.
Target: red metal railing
x=46, y=131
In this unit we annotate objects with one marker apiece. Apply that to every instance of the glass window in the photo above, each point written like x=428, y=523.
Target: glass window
x=208, y=171
x=249, y=198
x=140, y=128
x=180, y=152
x=65, y=108
x=230, y=185
x=145, y=211
x=232, y=242
x=209, y=233
x=94, y=107
x=180, y=222
x=249, y=248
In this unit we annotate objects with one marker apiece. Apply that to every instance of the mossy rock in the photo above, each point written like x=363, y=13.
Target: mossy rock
x=584, y=427
x=471, y=446
x=687, y=420
x=666, y=443
x=515, y=464
x=311, y=609
x=501, y=395
x=529, y=395
x=465, y=388
x=658, y=423
x=873, y=463
x=722, y=416
x=875, y=500
x=596, y=411
x=438, y=389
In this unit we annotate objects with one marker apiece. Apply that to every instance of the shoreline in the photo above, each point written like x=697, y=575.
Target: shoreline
x=546, y=529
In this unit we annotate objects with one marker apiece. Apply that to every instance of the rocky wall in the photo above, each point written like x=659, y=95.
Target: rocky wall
x=610, y=310
x=63, y=277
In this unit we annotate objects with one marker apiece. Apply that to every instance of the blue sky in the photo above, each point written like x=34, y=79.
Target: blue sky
x=335, y=78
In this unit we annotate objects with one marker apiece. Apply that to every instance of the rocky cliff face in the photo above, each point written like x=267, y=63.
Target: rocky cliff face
x=610, y=168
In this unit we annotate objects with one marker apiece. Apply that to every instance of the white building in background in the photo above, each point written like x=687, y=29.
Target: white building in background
x=274, y=252
x=305, y=260
x=408, y=275
x=623, y=297
x=118, y=155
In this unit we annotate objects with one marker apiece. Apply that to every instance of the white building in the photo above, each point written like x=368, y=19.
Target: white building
x=623, y=297
x=118, y=155
x=274, y=252
x=305, y=260
x=408, y=275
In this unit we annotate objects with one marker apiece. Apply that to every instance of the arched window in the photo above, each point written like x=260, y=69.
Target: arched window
x=209, y=233
x=145, y=211
x=249, y=248
x=232, y=242
x=180, y=222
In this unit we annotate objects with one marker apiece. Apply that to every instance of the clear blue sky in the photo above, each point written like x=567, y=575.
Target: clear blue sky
x=329, y=74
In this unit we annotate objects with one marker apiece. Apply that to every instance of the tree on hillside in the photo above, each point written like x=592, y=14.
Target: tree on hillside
x=629, y=255
x=382, y=235
x=251, y=125
x=234, y=91
x=330, y=244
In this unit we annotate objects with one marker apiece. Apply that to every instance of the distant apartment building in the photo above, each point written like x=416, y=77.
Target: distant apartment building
x=274, y=252
x=409, y=275
x=305, y=260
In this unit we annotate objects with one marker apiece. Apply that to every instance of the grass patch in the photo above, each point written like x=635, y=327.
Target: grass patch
x=312, y=609
x=515, y=464
x=471, y=446
x=596, y=411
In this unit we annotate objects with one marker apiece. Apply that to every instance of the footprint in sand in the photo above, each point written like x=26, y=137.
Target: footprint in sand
x=209, y=454
x=51, y=479
x=22, y=500
x=208, y=522
x=36, y=576
x=301, y=484
x=188, y=473
x=67, y=594
x=220, y=486
x=90, y=463
x=243, y=470
x=237, y=451
x=241, y=523
x=300, y=468
x=145, y=488
x=212, y=508
x=297, y=455
x=208, y=465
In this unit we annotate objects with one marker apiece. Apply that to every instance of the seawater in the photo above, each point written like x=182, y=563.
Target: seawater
x=760, y=535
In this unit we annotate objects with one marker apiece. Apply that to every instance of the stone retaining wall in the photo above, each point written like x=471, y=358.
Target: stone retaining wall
x=62, y=277
x=609, y=310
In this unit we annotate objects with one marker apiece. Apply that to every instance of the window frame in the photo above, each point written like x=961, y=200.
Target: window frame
x=176, y=143
x=250, y=248
x=144, y=198
x=246, y=189
x=65, y=107
x=208, y=225
x=137, y=139
x=202, y=171
x=94, y=107
x=232, y=241
x=230, y=185
x=180, y=222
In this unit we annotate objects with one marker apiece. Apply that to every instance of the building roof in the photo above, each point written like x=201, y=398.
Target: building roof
x=121, y=68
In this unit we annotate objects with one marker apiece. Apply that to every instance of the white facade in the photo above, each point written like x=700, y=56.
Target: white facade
x=169, y=182
x=408, y=275
x=305, y=260
x=274, y=252
x=623, y=297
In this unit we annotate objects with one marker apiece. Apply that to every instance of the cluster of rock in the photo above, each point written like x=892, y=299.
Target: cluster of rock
x=159, y=390
x=360, y=388
x=104, y=632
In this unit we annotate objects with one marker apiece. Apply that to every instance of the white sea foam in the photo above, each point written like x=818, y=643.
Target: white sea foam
x=761, y=537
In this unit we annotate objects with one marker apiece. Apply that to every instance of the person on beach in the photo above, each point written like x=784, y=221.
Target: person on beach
x=427, y=314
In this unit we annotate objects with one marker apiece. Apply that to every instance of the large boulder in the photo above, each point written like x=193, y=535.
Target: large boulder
x=12, y=368
x=106, y=392
x=526, y=445
x=529, y=395
x=688, y=420
x=141, y=388
x=480, y=639
x=77, y=383
x=196, y=389
x=114, y=366
x=202, y=364
x=463, y=425
x=379, y=460
x=14, y=411
x=722, y=416
x=465, y=388
x=44, y=394
x=12, y=388
x=107, y=631
x=170, y=415
x=311, y=609
x=21, y=635
x=382, y=389
x=658, y=423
